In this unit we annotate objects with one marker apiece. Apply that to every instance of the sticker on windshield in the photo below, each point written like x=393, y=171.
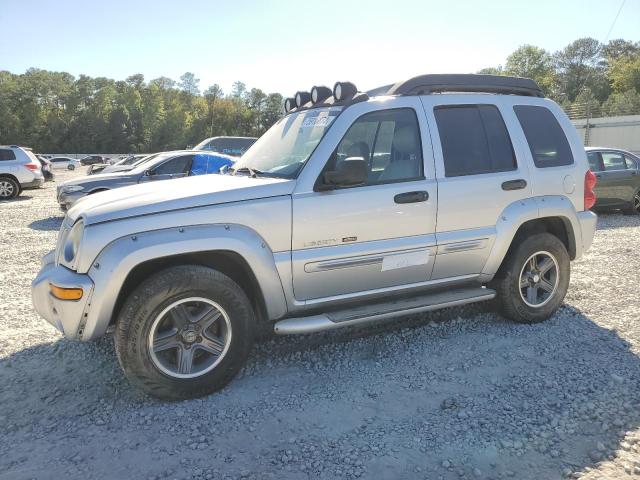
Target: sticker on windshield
x=316, y=122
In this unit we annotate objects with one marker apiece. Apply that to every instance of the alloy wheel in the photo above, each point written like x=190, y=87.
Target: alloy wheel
x=7, y=189
x=190, y=337
x=539, y=279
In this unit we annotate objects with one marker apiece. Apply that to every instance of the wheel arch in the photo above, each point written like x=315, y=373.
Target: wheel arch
x=550, y=214
x=235, y=250
x=230, y=263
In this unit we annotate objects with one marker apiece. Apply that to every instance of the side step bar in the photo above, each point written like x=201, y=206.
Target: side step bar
x=377, y=311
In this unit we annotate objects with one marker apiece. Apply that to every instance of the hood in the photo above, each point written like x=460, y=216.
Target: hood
x=166, y=195
x=97, y=178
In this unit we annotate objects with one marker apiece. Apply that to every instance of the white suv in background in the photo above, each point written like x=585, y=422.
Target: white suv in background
x=19, y=169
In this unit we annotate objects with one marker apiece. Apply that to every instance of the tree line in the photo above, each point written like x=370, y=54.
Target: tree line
x=54, y=112
x=583, y=77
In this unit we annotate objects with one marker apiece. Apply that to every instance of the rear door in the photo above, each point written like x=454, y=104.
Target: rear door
x=478, y=177
x=616, y=181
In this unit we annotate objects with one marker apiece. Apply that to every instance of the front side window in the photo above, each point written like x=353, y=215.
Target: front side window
x=631, y=162
x=474, y=140
x=547, y=141
x=613, y=161
x=6, y=154
x=285, y=148
x=389, y=141
x=174, y=166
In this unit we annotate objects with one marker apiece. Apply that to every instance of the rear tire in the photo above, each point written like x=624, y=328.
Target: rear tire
x=634, y=206
x=9, y=188
x=165, y=308
x=533, y=280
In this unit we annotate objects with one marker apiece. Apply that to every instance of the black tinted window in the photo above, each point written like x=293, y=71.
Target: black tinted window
x=173, y=166
x=474, y=140
x=6, y=154
x=547, y=141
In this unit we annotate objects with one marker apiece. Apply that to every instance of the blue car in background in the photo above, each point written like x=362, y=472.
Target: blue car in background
x=234, y=146
x=162, y=166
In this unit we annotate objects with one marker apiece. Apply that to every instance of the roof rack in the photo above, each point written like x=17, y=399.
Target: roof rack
x=437, y=83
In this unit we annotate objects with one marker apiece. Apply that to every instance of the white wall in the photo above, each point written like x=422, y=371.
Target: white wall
x=616, y=132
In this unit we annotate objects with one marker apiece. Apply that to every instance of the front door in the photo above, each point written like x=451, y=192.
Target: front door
x=377, y=236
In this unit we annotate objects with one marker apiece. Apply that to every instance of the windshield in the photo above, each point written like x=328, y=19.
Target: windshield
x=141, y=165
x=234, y=146
x=142, y=160
x=284, y=149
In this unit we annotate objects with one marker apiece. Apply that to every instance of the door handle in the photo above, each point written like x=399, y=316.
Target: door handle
x=411, y=197
x=514, y=184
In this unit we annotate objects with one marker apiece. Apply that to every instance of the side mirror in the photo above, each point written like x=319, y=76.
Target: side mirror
x=148, y=173
x=351, y=172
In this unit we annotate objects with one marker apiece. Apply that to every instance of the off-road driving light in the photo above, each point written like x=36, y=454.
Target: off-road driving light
x=302, y=98
x=62, y=293
x=320, y=94
x=344, y=90
x=289, y=104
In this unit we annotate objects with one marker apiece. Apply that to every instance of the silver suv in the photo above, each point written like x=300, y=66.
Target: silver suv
x=19, y=169
x=439, y=190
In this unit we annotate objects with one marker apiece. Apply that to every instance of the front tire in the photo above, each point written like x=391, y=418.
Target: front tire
x=184, y=332
x=9, y=188
x=533, y=280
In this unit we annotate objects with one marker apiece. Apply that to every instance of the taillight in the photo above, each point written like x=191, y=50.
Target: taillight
x=32, y=166
x=589, y=195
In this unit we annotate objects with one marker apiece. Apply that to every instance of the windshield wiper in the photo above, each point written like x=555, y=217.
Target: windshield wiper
x=251, y=171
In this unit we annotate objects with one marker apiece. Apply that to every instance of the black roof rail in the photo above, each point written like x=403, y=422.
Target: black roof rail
x=467, y=83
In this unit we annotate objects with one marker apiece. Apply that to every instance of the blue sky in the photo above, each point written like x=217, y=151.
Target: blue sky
x=285, y=45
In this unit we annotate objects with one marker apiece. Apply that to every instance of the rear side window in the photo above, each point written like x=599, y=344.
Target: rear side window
x=474, y=140
x=547, y=141
x=6, y=154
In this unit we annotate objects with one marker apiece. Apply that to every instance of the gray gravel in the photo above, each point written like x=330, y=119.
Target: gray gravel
x=458, y=394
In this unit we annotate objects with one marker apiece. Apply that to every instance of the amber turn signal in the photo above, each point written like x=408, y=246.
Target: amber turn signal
x=65, y=293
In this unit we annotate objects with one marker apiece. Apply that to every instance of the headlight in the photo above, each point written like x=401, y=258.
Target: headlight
x=72, y=188
x=72, y=243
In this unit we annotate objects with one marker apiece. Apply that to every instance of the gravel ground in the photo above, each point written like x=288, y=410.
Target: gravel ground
x=457, y=394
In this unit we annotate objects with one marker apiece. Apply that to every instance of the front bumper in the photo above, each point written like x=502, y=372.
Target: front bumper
x=66, y=200
x=69, y=317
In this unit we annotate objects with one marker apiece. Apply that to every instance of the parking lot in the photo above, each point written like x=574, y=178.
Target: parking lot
x=460, y=393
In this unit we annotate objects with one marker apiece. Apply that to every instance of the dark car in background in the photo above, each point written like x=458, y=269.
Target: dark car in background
x=93, y=159
x=163, y=166
x=234, y=146
x=618, y=174
x=46, y=168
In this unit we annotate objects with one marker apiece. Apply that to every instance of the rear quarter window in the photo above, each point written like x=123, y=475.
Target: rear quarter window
x=6, y=154
x=548, y=144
